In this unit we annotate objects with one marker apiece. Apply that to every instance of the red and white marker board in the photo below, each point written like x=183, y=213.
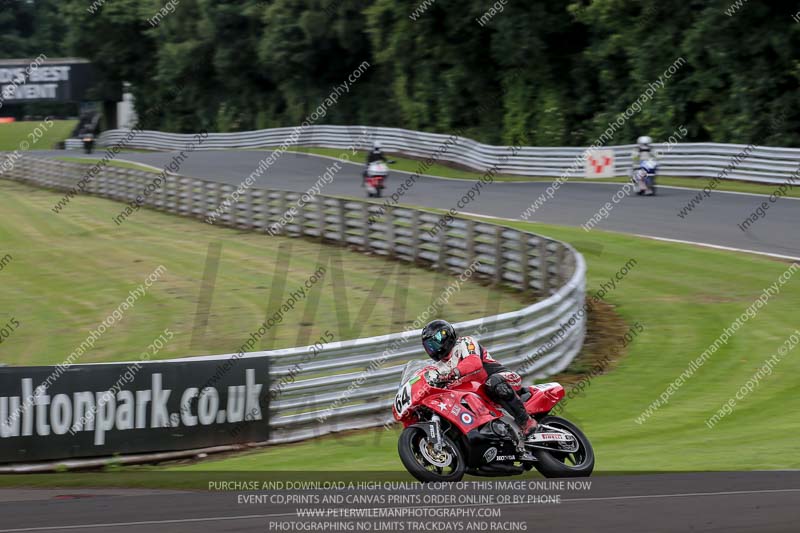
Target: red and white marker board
x=600, y=164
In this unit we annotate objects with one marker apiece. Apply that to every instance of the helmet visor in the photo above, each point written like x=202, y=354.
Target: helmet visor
x=433, y=347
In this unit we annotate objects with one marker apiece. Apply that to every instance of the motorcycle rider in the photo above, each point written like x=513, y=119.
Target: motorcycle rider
x=643, y=150
x=642, y=153
x=376, y=154
x=458, y=358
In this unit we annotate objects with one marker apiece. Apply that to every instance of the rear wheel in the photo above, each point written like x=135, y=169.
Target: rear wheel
x=426, y=464
x=563, y=461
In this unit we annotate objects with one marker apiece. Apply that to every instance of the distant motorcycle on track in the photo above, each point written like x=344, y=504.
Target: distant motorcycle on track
x=644, y=177
x=88, y=142
x=375, y=177
x=449, y=432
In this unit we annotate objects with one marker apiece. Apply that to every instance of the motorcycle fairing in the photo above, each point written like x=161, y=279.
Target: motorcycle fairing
x=484, y=447
x=464, y=409
x=544, y=397
x=377, y=169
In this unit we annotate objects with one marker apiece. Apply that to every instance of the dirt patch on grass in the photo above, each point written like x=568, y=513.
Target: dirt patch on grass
x=602, y=349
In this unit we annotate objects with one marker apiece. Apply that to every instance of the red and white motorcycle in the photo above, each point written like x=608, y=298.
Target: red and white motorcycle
x=375, y=176
x=449, y=432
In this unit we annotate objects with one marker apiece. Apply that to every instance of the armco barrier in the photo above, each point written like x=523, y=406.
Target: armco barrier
x=701, y=160
x=350, y=384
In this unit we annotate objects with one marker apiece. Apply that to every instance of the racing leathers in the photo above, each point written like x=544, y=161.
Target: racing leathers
x=376, y=154
x=641, y=154
x=469, y=361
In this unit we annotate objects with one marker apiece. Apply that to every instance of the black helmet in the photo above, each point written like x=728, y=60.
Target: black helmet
x=438, y=338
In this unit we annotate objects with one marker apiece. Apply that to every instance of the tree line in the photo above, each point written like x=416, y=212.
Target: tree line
x=539, y=73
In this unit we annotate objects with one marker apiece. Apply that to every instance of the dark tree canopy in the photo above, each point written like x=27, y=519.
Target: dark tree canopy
x=538, y=73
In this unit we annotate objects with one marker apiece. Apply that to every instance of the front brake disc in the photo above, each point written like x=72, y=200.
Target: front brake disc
x=441, y=459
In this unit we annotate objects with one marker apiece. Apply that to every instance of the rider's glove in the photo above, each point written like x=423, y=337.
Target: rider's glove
x=452, y=376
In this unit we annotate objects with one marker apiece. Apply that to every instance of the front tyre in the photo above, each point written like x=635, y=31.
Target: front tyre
x=424, y=463
x=556, y=463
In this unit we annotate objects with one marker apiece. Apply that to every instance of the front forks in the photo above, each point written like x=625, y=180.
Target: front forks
x=436, y=433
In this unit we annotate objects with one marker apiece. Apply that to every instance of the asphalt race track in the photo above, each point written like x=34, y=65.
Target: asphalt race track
x=714, y=221
x=765, y=502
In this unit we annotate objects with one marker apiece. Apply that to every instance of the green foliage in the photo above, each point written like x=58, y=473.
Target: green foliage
x=551, y=73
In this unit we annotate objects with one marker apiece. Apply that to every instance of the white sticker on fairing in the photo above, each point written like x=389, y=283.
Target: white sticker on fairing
x=545, y=386
x=490, y=454
x=545, y=437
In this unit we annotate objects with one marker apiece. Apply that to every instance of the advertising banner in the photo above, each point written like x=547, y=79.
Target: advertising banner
x=42, y=80
x=100, y=410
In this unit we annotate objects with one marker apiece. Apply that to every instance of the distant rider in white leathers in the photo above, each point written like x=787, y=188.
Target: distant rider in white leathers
x=643, y=151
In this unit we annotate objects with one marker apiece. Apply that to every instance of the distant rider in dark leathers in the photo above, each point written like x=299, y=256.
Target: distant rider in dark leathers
x=376, y=154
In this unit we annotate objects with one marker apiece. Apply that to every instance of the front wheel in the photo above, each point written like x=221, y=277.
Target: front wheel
x=555, y=462
x=426, y=464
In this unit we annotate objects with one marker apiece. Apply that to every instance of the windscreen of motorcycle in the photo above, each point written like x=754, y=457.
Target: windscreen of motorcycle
x=402, y=400
x=411, y=368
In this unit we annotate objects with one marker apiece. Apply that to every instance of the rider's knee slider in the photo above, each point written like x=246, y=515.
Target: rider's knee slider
x=500, y=387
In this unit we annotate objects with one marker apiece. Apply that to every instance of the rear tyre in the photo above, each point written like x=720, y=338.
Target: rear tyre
x=378, y=191
x=555, y=463
x=422, y=461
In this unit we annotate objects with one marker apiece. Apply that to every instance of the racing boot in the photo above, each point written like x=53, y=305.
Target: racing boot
x=529, y=427
x=526, y=428
x=525, y=424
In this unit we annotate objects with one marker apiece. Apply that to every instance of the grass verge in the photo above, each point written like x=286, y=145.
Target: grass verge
x=68, y=272
x=13, y=133
x=683, y=296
